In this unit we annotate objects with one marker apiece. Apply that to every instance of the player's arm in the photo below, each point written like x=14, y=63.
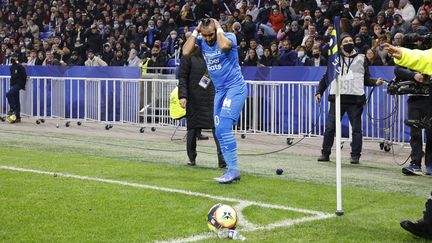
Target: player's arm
x=190, y=46
x=223, y=43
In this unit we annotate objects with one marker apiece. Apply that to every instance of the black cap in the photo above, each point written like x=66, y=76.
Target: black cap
x=13, y=54
x=344, y=35
x=90, y=51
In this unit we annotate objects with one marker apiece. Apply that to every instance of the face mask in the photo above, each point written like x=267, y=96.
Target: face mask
x=316, y=55
x=116, y=26
x=100, y=26
x=301, y=53
x=348, y=47
x=127, y=24
x=154, y=54
x=151, y=27
x=173, y=36
x=266, y=6
x=27, y=43
x=23, y=50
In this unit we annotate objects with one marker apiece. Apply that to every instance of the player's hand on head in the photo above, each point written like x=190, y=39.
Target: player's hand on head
x=216, y=23
x=199, y=27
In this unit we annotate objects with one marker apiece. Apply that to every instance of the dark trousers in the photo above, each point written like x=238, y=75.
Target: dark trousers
x=191, y=145
x=354, y=112
x=418, y=108
x=14, y=99
x=427, y=214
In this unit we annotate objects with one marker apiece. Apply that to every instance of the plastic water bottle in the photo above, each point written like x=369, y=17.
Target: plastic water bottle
x=230, y=234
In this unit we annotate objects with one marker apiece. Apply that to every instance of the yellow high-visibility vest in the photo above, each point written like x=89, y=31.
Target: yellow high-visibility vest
x=176, y=111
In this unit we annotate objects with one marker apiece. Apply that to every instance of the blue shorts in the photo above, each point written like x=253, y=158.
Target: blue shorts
x=229, y=103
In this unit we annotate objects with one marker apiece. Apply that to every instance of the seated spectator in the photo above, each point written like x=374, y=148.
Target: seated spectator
x=372, y=59
x=398, y=39
x=118, y=59
x=295, y=34
x=49, y=60
x=360, y=44
x=316, y=60
x=267, y=60
x=133, y=60
x=276, y=19
x=242, y=51
x=157, y=59
x=288, y=57
x=248, y=28
x=40, y=58
x=251, y=58
x=310, y=42
x=108, y=53
x=253, y=44
x=75, y=60
x=310, y=32
x=186, y=15
x=407, y=10
x=399, y=25
x=274, y=49
x=236, y=29
x=31, y=59
x=423, y=17
x=94, y=61
x=382, y=53
x=174, y=43
x=301, y=56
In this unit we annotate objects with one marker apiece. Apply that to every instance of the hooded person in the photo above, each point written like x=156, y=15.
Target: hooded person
x=353, y=75
x=17, y=82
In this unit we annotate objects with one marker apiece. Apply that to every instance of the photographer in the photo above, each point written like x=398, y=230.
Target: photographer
x=418, y=105
x=420, y=61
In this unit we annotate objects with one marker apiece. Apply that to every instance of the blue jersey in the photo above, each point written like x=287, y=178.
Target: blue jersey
x=223, y=67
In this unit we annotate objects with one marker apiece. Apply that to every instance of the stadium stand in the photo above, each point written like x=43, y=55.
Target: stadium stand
x=44, y=32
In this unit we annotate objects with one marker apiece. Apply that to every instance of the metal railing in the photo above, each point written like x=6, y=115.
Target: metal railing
x=272, y=107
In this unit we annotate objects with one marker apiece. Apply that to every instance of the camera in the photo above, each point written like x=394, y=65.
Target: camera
x=411, y=40
x=420, y=124
x=407, y=87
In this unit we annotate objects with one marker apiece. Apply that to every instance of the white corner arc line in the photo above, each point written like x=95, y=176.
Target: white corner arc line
x=165, y=189
x=284, y=223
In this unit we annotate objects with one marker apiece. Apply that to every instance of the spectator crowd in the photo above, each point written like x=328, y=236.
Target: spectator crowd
x=151, y=32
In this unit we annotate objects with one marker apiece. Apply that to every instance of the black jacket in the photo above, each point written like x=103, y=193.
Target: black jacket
x=18, y=75
x=199, y=105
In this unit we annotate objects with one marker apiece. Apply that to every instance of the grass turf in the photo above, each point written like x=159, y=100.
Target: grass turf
x=45, y=208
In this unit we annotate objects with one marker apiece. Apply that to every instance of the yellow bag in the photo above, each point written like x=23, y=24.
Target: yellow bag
x=176, y=111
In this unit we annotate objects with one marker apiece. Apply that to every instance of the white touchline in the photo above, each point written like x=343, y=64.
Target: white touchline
x=242, y=203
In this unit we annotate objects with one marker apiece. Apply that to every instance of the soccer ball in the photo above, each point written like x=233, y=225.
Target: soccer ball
x=221, y=216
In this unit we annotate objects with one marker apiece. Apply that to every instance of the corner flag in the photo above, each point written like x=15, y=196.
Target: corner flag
x=333, y=52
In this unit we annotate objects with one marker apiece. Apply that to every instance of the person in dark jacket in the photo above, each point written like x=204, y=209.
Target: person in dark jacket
x=353, y=76
x=75, y=60
x=17, y=82
x=317, y=59
x=267, y=58
x=197, y=97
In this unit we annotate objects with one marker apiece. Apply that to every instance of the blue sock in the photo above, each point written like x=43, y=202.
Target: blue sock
x=227, y=142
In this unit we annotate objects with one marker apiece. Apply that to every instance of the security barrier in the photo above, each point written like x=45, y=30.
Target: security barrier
x=272, y=107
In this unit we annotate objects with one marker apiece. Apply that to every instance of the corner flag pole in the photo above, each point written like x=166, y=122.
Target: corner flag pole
x=333, y=70
x=339, y=210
